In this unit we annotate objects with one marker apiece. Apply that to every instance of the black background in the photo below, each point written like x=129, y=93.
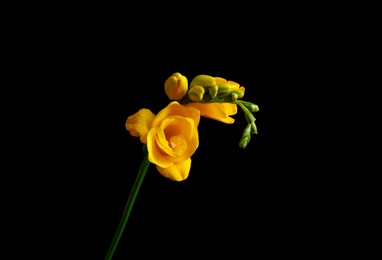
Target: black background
x=75, y=73
x=265, y=199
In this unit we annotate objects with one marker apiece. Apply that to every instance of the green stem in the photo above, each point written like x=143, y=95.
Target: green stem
x=250, y=118
x=129, y=205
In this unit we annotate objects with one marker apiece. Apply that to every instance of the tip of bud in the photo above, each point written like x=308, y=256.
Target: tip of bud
x=246, y=137
x=244, y=142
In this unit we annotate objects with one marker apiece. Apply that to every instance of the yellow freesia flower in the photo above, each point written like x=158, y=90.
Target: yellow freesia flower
x=171, y=136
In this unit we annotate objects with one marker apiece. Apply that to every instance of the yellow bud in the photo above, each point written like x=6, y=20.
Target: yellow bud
x=203, y=80
x=196, y=93
x=242, y=91
x=176, y=86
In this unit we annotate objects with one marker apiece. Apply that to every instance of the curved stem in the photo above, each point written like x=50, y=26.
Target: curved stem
x=129, y=205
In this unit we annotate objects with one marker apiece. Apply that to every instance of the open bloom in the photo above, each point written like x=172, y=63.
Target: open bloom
x=171, y=136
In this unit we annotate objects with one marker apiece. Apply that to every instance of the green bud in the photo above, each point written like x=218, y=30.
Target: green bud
x=196, y=93
x=223, y=88
x=238, y=92
x=244, y=141
x=246, y=137
x=203, y=80
x=213, y=91
x=253, y=128
x=251, y=107
x=230, y=96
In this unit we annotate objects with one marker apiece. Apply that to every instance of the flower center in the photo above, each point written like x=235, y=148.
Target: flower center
x=177, y=144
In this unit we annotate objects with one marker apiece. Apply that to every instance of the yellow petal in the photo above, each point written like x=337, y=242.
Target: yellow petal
x=139, y=124
x=232, y=84
x=161, y=139
x=156, y=155
x=220, y=80
x=177, y=171
x=174, y=108
x=178, y=126
x=216, y=111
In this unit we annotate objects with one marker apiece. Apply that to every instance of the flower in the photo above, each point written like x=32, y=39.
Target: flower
x=172, y=137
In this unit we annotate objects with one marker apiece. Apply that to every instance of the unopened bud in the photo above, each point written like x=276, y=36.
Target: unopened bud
x=176, y=86
x=196, y=93
x=251, y=107
x=213, y=91
x=223, y=88
x=239, y=92
x=255, y=108
x=203, y=80
x=246, y=137
x=253, y=128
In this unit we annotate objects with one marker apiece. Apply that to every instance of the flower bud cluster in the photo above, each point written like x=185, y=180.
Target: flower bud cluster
x=205, y=89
